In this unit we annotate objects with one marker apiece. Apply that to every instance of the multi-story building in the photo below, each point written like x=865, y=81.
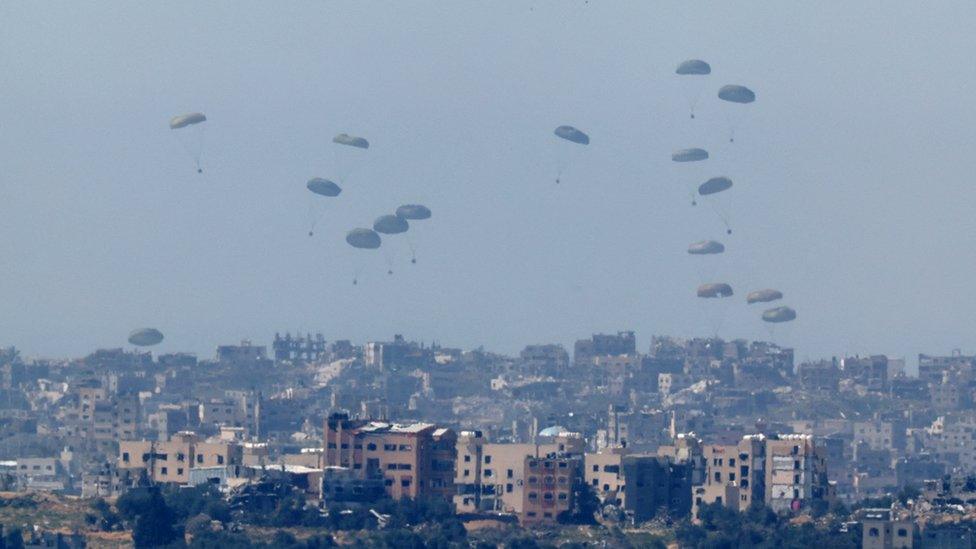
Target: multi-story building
x=623, y=343
x=786, y=472
x=796, y=472
x=171, y=461
x=415, y=460
x=734, y=474
x=551, y=482
x=883, y=531
x=495, y=477
x=640, y=485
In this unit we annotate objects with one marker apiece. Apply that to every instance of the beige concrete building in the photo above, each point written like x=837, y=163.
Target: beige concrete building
x=415, y=460
x=171, y=461
x=499, y=476
x=604, y=472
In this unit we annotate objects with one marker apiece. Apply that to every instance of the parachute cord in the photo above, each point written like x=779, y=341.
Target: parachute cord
x=724, y=217
x=413, y=249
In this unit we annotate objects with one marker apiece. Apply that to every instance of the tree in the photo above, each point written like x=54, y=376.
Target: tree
x=155, y=525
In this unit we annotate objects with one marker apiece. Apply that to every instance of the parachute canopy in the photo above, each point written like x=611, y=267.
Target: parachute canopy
x=323, y=187
x=718, y=289
x=715, y=185
x=693, y=66
x=764, y=296
x=365, y=239
x=779, y=314
x=706, y=247
x=736, y=94
x=390, y=224
x=413, y=212
x=689, y=155
x=570, y=133
x=351, y=140
x=145, y=337
x=185, y=120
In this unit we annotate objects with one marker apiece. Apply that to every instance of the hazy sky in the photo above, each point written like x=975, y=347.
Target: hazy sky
x=853, y=171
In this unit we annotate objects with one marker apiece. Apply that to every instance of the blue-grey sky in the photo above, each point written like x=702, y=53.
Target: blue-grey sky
x=853, y=171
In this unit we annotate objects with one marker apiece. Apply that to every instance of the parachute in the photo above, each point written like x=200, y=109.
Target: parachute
x=570, y=133
x=693, y=86
x=319, y=187
x=779, y=314
x=323, y=187
x=413, y=212
x=736, y=94
x=390, y=224
x=689, y=155
x=715, y=185
x=184, y=120
x=350, y=157
x=693, y=67
x=146, y=337
x=565, y=153
x=364, y=239
x=706, y=247
x=351, y=140
x=763, y=296
x=718, y=289
x=192, y=134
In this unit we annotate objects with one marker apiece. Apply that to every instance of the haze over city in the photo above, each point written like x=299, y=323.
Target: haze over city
x=851, y=169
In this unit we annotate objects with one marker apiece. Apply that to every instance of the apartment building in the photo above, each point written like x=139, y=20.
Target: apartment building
x=796, y=472
x=415, y=460
x=499, y=476
x=786, y=472
x=171, y=461
x=640, y=485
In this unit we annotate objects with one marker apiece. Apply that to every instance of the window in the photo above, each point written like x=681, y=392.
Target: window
x=508, y=488
x=563, y=465
x=389, y=447
x=731, y=477
x=547, y=515
x=388, y=482
x=533, y=496
x=164, y=471
x=596, y=468
x=357, y=465
x=370, y=446
x=125, y=457
x=611, y=469
x=391, y=466
x=405, y=483
x=718, y=476
x=180, y=457
x=405, y=447
x=331, y=446
x=344, y=445
x=902, y=533
x=511, y=473
x=488, y=472
x=873, y=532
x=731, y=462
x=404, y=466
x=487, y=459
x=563, y=496
x=179, y=471
x=547, y=496
x=220, y=460
x=467, y=458
x=606, y=487
x=467, y=472
x=199, y=458
x=533, y=480
x=357, y=446
x=596, y=482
